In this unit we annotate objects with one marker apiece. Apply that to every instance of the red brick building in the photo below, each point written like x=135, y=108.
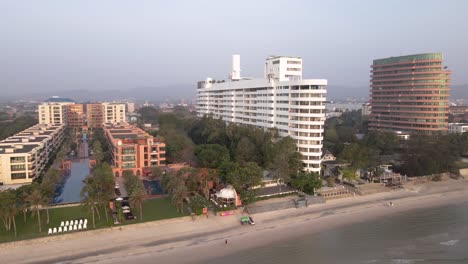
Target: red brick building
x=133, y=149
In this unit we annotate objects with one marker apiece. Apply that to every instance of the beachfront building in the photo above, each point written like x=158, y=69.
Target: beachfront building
x=25, y=155
x=133, y=149
x=113, y=112
x=75, y=115
x=409, y=93
x=54, y=110
x=281, y=100
x=458, y=128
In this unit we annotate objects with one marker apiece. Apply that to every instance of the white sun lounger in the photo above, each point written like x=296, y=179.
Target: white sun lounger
x=75, y=228
x=60, y=230
x=62, y=223
x=50, y=231
x=54, y=231
x=85, y=226
x=67, y=223
x=65, y=229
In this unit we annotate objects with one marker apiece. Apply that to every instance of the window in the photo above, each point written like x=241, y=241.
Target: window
x=128, y=151
x=18, y=167
x=16, y=176
x=128, y=158
x=17, y=159
x=128, y=165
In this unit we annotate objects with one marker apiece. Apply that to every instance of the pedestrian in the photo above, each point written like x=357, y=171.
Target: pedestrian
x=225, y=242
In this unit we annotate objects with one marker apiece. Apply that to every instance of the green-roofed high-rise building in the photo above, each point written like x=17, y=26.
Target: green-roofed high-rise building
x=409, y=93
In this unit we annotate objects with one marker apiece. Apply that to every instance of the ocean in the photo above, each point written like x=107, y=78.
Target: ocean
x=429, y=235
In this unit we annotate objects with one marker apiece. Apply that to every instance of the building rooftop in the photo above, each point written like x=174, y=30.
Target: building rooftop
x=277, y=57
x=22, y=150
x=423, y=56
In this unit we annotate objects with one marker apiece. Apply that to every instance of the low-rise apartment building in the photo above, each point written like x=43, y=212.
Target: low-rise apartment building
x=54, y=110
x=114, y=112
x=133, y=149
x=94, y=115
x=75, y=118
x=457, y=127
x=25, y=155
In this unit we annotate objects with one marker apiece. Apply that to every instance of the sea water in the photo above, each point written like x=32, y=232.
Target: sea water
x=429, y=235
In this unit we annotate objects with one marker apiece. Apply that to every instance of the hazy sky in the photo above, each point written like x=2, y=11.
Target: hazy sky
x=65, y=45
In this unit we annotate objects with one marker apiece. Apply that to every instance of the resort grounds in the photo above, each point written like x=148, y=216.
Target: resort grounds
x=153, y=210
x=183, y=240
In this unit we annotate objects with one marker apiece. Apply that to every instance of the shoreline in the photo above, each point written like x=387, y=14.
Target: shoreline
x=184, y=241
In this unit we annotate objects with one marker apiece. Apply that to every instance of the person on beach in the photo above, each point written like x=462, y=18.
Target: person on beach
x=225, y=242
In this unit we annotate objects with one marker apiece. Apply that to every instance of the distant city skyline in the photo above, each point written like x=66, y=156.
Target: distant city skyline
x=54, y=46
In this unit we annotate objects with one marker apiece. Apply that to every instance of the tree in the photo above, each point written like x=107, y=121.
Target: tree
x=356, y=154
x=18, y=124
x=349, y=173
x=137, y=197
x=98, y=154
x=8, y=209
x=156, y=172
x=247, y=196
x=307, y=182
x=103, y=184
x=89, y=201
x=286, y=162
x=48, y=185
x=179, y=194
x=197, y=203
x=241, y=177
x=245, y=151
x=22, y=194
x=211, y=155
x=35, y=201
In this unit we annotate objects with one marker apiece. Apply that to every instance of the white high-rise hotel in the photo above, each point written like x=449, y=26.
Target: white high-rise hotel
x=281, y=100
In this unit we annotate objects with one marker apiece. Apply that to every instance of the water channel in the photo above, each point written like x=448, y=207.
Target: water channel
x=69, y=189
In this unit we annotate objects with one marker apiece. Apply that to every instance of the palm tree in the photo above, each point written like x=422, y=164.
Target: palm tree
x=12, y=212
x=89, y=197
x=179, y=193
x=36, y=200
x=137, y=196
x=90, y=203
x=8, y=209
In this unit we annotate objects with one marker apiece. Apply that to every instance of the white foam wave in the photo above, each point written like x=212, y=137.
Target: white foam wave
x=406, y=261
x=449, y=243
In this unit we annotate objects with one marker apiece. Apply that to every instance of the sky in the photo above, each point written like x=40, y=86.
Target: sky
x=112, y=44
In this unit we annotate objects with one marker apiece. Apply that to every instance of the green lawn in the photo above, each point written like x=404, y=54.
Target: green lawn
x=153, y=209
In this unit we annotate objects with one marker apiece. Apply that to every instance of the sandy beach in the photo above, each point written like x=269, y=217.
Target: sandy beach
x=185, y=241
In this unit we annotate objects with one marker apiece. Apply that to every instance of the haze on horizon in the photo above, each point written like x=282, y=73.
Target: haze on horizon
x=102, y=45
